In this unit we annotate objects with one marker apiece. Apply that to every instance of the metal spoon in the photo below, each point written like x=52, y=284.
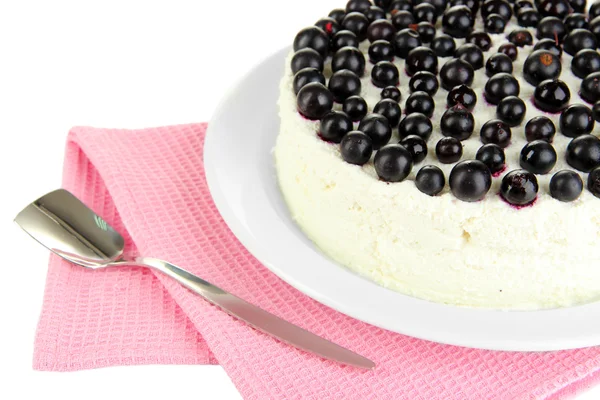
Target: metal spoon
x=67, y=227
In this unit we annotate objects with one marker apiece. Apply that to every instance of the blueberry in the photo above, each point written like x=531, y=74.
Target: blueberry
x=334, y=126
x=425, y=12
x=381, y=50
x=356, y=22
x=393, y=163
x=405, y=41
x=389, y=109
x=497, y=63
x=306, y=76
x=552, y=28
x=426, y=31
x=596, y=111
x=480, y=39
x=443, y=46
x=358, y=5
x=338, y=15
x=528, y=17
x=585, y=62
x=415, y=124
x=551, y=96
x=471, y=54
x=448, y=150
x=554, y=8
x=499, y=7
x=306, y=58
x=594, y=10
x=416, y=146
x=496, y=132
x=420, y=102
x=314, y=38
x=566, y=186
x=500, y=86
x=440, y=5
x=384, y=74
x=400, y=5
x=578, y=6
x=576, y=21
x=541, y=65
x=458, y=21
x=377, y=127
x=403, y=19
x=511, y=110
x=456, y=72
x=458, y=123
x=385, y=4
x=470, y=180
x=590, y=88
x=595, y=27
x=494, y=23
x=356, y=148
x=349, y=58
x=519, y=188
x=594, y=182
x=430, y=180
x=520, y=37
x=343, y=84
x=329, y=26
x=375, y=13
x=492, y=156
x=421, y=59
x=579, y=39
x=314, y=101
x=344, y=39
x=583, y=153
x=472, y=5
x=540, y=128
x=381, y=30
x=424, y=81
x=522, y=5
x=391, y=92
x=355, y=107
x=510, y=50
x=576, y=120
x=538, y=157
x=463, y=95
x=549, y=45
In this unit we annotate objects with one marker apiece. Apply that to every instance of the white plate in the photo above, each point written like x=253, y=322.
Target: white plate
x=241, y=176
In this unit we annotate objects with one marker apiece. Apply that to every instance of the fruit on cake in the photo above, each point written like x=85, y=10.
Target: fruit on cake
x=448, y=150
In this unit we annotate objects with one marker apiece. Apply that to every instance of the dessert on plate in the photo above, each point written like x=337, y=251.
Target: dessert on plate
x=448, y=150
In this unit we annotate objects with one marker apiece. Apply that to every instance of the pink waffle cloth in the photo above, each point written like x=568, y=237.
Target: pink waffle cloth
x=149, y=185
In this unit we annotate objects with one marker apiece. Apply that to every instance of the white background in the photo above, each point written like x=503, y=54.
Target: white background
x=114, y=64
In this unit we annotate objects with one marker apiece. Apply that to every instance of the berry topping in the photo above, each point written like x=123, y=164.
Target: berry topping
x=381, y=30
x=334, y=126
x=578, y=6
x=538, y=157
x=540, y=128
x=590, y=88
x=306, y=58
x=415, y=124
x=420, y=102
x=314, y=101
x=448, y=150
x=596, y=111
x=456, y=72
x=497, y=63
x=576, y=21
x=314, y=38
x=343, y=84
x=520, y=37
x=496, y=132
x=381, y=50
x=421, y=59
x=549, y=45
x=552, y=28
x=375, y=13
x=458, y=21
x=500, y=86
x=594, y=182
x=522, y=5
x=576, y=120
x=554, y=8
x=528, y=17
x=349, y=58
x=425, y=12
x=519, y=188
x=463, y=95
x=403, y=19
x=344, y=39
x=389, y=109
x=472, y=5
x=426, y=31
x=499, y=7
x=494, y=24
x=355, y=108
x=384, y=74
x=358, y=5
x=594, y=10
x=377, y=127
x=470, y=180
x=416, y=146
x=400, y=5
x=458, y=123
x=583, y=153
x=579, y=39
x=443, y=46
x=480, y=39
x=391, y=92
x=440, y=5
x=384, y=4
x=393, y=163
x=585, y=62
x=541, y=65
x=430, y=180
x=566, y=186
x=511, y=110
x=595, y=27
x=551, y=96
x=424, y=81
x=306, y=76
x=338, y=15
x=356, y=22
x=492, y=156
x=329, y=26
x=471, y=54
x=510, y=50
x=356, y=148
x=405, y=41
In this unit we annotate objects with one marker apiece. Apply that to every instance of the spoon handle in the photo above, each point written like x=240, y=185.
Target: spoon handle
x=257, y=317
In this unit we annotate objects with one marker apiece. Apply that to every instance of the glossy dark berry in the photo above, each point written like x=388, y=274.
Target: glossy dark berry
x=480, y=39
x=306, y=76
x=456, y=72
x=389, y=109
x=594, y=10
x=343, y=39
x=381, y=50
x=306, y=58
x=521, y=37
x=594, y=182
x=313, y=38
x=578, y=6
x=375, y=13
x=393, y=163
x=497, y=63
x=416, y=146
x=500, y=86
x=421, y=59
x=448, y=150
x=329, y=26
x=457, y=122
x=415, y=124
x=463, y=95
x=552, y=28
x=425, y=12
x=492, y=156
x=585, y=62
x=576, y=120
x=579, y=39
x=356, y=22
x=338, y=15
x=583, y=153
x=400, y=5
x=576, y=21
x=391, y=92
x=430, y=180
x=343, y=84
x=590, y=88
x=528, y=17
x=538, y=157
x=334, y=126
x=384, y=74
x=424, y=81
x=405, y=41
x=566, y=186
x=551, y=96
x=519, y=188
x=402, y=20
x=314, y=100
x=540, y=128
x=440, y=5
x=510, y=50
x=355, y=107
x=349, y=58
x=595, y=27
x=381, y=30
x=443, y=46
x=549, y=45
x=378, y=128
x=458, y=21
x=426, y=31
x=494, y=23
x=511, y=110
x=472, y=5
x=356, y=148
x=521, y=5
x=420, y=102
x=499, y=7
x=554, y=8
x=541, y=65
x=496, y=132
x=596, y=111
x=470, y=180
x=358, y=5
x=471, y=54
x=385, y=4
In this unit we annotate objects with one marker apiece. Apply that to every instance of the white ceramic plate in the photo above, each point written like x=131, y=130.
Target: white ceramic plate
x=241, y=176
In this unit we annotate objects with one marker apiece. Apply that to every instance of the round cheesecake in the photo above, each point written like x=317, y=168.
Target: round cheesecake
x=519, y=235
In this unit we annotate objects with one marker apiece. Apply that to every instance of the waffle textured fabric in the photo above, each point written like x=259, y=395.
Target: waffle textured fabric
x=149, y=185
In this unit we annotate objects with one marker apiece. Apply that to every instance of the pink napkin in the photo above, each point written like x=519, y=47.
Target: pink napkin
x=149, y=184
